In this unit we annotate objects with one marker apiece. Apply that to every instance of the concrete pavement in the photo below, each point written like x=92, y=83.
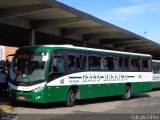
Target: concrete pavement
x=5, y=106
x=141, y=106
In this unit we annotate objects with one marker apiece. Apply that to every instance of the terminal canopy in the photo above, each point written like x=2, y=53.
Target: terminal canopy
x=29, y=22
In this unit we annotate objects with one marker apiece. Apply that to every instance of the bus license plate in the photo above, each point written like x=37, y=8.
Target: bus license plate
x=21, y=98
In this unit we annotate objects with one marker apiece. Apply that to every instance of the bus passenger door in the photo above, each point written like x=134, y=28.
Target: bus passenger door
x=57, y=69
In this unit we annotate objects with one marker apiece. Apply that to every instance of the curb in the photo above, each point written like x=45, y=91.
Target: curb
x=5, y=107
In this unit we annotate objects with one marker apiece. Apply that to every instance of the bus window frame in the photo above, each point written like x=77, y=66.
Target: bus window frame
x=157, y=66
x=139, y=63
x=122, y=68
x=110, y=56
x=96, y=54
x=76, y=53
x=85, y=54
x=63, y=52
x=129, y=63
x=117, y=59
x=148, y=63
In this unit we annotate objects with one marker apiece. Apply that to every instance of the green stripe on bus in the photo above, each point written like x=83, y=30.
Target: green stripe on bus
x=75, y=77
x=131, y=76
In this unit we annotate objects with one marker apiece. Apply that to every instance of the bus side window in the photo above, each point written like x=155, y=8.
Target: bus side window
x=74, y=62
x=71, y=62
x=58, y=64
x=145, y=65
x=126, y=63
x=104, y=64
x=135, y=64
x=110, y=63
x=158, y=68
x=56, y=68
x=140, y=64
x=155, y=68
x=83, y=62
x=116, y=63
x=94, y=62
x=132, y=64
x=121, y=63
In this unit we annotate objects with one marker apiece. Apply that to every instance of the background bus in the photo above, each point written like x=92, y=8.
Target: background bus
x=53, y=73
x=156, y=73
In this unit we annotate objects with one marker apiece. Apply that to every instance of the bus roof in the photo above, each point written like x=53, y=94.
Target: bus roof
x=90, y=49
x=156, y=61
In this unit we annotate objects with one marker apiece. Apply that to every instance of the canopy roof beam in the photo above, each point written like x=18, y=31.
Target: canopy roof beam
x=6, y=13
x=104, y=35
x=137, y=47
x=144, y=50
x=84, y=30
x=122, y=45
x=118, y=40
x=43, y=24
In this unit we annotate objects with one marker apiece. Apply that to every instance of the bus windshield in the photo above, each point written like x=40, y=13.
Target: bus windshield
x=28, y=67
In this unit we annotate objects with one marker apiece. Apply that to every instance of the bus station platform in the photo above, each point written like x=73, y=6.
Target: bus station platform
x=5, y=106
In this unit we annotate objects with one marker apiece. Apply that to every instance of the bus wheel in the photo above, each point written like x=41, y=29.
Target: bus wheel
x=71, y=98
x=127, y=93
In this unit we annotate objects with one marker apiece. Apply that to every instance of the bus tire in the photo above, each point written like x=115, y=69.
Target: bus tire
x=71, y=98
x=127, y=93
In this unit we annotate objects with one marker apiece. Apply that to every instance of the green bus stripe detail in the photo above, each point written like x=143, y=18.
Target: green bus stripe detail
x=75, y=77
x=131, y=76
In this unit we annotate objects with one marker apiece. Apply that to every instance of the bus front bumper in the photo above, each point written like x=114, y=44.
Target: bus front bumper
x=30, y=96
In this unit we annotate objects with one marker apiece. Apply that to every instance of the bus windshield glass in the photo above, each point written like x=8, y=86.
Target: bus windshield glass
x=29, y=67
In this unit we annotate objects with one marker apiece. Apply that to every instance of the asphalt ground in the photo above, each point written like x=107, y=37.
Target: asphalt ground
x=142, y=106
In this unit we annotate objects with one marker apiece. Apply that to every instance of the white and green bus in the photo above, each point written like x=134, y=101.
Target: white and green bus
x=156, y=74
x=53, y=73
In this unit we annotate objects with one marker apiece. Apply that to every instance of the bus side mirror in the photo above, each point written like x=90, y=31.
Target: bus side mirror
x=8, y=63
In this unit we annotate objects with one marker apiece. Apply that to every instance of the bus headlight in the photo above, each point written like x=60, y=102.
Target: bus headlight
x=38, y=89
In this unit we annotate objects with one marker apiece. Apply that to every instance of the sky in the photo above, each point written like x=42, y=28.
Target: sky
x=139, y=16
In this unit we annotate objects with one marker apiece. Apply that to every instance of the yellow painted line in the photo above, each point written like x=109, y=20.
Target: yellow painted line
x=5, y=107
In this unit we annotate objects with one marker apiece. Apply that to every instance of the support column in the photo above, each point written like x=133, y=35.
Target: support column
x=32, y=38
x=84, y=44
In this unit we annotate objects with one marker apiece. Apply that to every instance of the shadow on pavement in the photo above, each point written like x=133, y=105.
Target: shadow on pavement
x=140, y=95
x=38, y=105
x=155, y=89
x=1, y=111
x=62, y=104
x=78, y=102
x=99, y=100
